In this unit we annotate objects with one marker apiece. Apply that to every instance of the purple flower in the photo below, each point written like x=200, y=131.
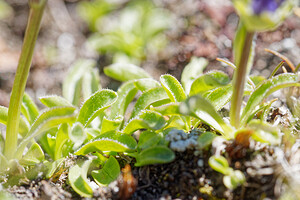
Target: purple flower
x=260, y=6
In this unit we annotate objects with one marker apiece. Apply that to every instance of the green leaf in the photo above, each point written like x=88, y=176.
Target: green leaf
x=126, y=93
x=108, y=125
x=52, y=167
x=267, y=88
x=147, y=98
x=173, y=88
x=33, y=156
x=62, y=137
x=192, y=71
x=167, y=109
x=199, y=107
x=96, y=104
x=29, y=109
x=145, y=84
x=219, y=164
x=264, y=132
x=148, y=139
x=77, y=134
x=219, y=97
x=209, y=81
x=109, y=142
x=48, y=119
x=235, y=179
x=72, y=83
x=206, y=139
x=23, y=125
x=54, y=101
x=145, y=120
x=108, y=173
x=90, y=82
x=155, y=155
x=78, y=178
x=125, y=72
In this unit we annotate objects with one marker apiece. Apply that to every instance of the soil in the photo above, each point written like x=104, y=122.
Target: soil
x=205, y=28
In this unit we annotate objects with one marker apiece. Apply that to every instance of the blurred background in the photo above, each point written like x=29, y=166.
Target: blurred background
x=160, y=36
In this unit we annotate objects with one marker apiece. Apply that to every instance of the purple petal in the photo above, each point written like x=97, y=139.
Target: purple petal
x=260, y=6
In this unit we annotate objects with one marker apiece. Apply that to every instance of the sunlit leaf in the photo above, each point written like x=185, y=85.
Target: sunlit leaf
x=192, y=71
x=23, y=125
x=96, y=104
x=29, y=109
x=108, y=125
x=48, y=119
x=126, y=94
x=72, y=83
x=125, y=72
x=219, y=164
x=264, y=132
x=147, y=98
x=90, y=82
x=54, y=101
x=267, y=88
x=33, y=156
x=52, y=167
x=78, y=178
x=145, y=84
x=109, y=142
x=199, y=107
x=77, y=134
x=209, y=81
x=155, y=155
x=108, y=173
x=219, y=97
x=173, y=88
x=62, y=137
x=145, y=120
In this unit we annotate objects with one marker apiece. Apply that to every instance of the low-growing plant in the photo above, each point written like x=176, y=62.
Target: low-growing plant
x=98, y=126
x=135, y=31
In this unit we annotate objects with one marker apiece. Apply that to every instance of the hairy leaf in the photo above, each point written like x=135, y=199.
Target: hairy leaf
x=148, y=139
x=199, y=107
x=54, y=101
x=219, y=97
x=72, y=83
x=125, y=72
x=155, y=155
x=78, y=178
x=23, y=125
x=29, y=109
x=126, y=94
x=33, y=156
x=145, y=84
x=96, y=104
x=173, y=88
x=209, y=81
x=192, y=71
x=145, y=120
x=62, y=137
x=48, y=119
x=108, y=173
x=149, y=97
x=109, y=142
x=108, y=125
x=90, y=82
x=267, y=88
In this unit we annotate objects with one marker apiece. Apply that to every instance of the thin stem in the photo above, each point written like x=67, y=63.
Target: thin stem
x=240, y=76
x=32, y=30
x=276, y=69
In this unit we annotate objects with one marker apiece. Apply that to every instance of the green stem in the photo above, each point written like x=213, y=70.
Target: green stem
x=32, y=30
x=240, y=76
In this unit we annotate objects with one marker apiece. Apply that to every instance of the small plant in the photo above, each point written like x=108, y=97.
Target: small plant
x=98, y=127
x=134, y=32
